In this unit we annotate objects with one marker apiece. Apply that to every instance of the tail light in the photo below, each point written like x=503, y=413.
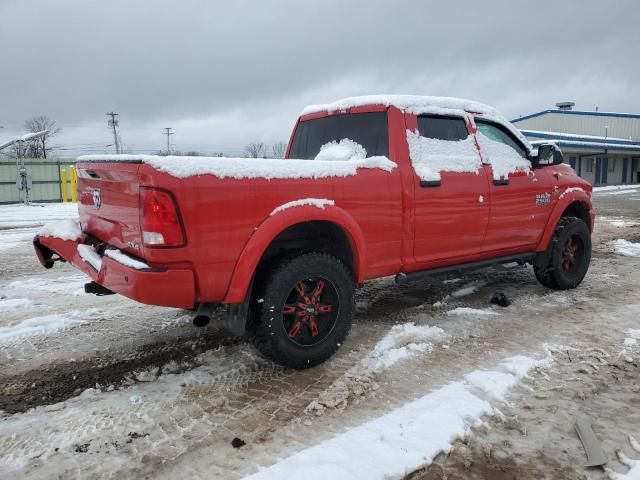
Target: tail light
x=159, y=219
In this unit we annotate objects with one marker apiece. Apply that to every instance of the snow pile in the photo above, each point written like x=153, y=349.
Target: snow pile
x=496, y=384
x=8, y=304
x=89, y=255
x=503, y=159
x=63, y=229
x=468, y=289
x=619, y=222
x=414, y=104
x=124, y=259
x=632, y=337
x=626, y=248
x=35, y=214
x=402, y=341
x=241, y=168
x=345, y=149
x=430, y=156
x=16, y=237
x=313, y=202
x=464, y=311
x=404, y=439
x=632, y=464
x=70, y=284
x=47, y=324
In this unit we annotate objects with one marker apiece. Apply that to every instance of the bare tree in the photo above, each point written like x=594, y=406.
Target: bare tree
x=255, y=150
x=278, y=149
x=38, y=147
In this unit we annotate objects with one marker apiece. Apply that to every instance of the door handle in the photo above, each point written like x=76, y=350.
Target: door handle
x=430, y=183
x=502, y=181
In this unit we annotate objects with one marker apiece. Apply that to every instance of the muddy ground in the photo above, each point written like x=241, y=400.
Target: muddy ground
x=186, y=393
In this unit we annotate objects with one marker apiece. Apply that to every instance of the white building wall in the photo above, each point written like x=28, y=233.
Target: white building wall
x=619, y=127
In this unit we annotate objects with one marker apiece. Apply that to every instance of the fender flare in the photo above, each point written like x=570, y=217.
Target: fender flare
x=272, y=226
x=568, y=197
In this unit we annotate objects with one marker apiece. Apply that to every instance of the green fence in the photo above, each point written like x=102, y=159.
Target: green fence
x=45, y=175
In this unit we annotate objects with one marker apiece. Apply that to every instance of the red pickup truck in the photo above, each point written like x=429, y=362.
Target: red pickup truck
x=370, y=187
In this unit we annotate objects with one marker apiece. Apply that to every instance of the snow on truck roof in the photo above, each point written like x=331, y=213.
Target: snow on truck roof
x=415, y=104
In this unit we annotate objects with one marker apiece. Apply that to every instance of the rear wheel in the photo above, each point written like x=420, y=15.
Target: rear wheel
x=305, y=311
x=565, y=263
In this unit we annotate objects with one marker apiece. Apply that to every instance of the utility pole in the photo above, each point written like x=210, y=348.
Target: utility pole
x=168, y=133
x=113, y=123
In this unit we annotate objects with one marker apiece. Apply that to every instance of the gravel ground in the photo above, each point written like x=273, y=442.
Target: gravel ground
x=120, y=389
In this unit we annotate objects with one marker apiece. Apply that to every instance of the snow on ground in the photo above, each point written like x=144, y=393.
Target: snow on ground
x=407, y=438
x=614, y=188
x=19, y=215
x=7, y=304
x=471, y=311
x=468, y=289
x=402, y=341
x=619, y=222
x=68, y=284
x=47, y=325
x=626, y=248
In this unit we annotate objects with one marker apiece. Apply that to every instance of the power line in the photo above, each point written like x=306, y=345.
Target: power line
x=113, y=123
x=168, y=133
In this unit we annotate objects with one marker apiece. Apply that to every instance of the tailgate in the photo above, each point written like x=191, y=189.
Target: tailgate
x=108, y=202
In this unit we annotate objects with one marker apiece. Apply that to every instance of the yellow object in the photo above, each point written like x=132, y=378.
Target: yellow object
x=73, y=182
x=63, y=185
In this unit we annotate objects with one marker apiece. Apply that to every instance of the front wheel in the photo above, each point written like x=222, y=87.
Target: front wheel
x=305, y=311
x=566, y=261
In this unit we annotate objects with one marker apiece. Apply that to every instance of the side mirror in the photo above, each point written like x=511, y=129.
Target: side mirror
x=548, y=154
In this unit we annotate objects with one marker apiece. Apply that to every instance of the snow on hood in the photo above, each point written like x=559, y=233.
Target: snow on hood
x=241, y=168
x=415, y=104
x=345, y=149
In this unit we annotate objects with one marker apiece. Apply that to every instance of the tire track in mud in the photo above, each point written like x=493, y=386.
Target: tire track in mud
x=386, y=304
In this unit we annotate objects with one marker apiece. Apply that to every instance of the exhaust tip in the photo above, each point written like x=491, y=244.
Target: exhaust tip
x=201, y=320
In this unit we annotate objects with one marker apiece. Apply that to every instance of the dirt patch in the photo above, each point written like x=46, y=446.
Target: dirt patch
x=59, y=381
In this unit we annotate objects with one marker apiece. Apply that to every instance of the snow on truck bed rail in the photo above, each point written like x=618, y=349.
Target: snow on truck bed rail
x=241, y=168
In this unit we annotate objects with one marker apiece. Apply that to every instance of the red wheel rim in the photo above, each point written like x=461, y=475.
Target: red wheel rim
x=310, y=311
x=572, y=252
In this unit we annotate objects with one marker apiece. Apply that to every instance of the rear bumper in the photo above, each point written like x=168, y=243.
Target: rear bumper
x=154, y=286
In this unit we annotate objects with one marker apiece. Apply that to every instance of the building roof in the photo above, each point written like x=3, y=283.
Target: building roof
x=573, y=137
x=577, y=112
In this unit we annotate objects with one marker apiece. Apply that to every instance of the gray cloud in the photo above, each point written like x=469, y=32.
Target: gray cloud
x=225, y=73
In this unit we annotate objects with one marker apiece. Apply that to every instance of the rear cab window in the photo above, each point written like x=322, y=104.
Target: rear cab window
x=369, y=129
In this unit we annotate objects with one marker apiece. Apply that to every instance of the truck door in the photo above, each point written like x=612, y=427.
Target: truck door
x=521, y=198
x=451, y=209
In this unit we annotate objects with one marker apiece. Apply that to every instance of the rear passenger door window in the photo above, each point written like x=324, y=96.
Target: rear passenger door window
x=442, y=128
x=441, y=144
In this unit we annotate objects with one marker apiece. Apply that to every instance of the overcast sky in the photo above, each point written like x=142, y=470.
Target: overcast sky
x=226, y=73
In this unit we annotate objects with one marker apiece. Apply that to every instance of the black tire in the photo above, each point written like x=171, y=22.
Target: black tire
x=292, y=326
x=566, y=261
